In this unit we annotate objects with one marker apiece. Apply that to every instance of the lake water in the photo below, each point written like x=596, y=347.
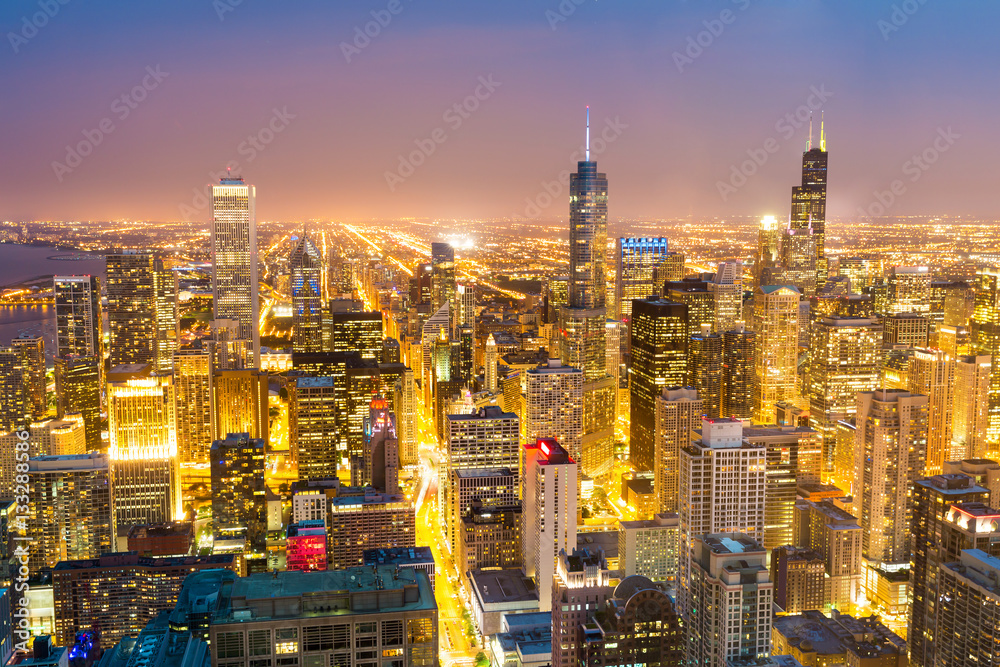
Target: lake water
x=20, y=263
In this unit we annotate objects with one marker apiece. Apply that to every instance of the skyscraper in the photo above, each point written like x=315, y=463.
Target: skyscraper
x=239, y=508
x=890, y=447
x=15, y=406
x=78, y=316
x=728, y=290
x=843, y=360
x=809, y=200
x=705, y=369
x=315, y=431
x=798, y=259
x=554, y=406
x=549, y=495
x=659, y=360
x=381, y=447
x=968, y=611
x=636, y=263
x=356, y=332
x=193, y=410
x=738, y=368
x=443, y=288
x=32, y=349
x=78, y=389
x=970, y=414
x=141, y=309
x=240, y=400
x=306, y=278
x=985, y=329
x=588, y=231
x=143, y=449
x=776, y=319
x=767, y=258
x=678, y=414
x=909, y=290
x=931, y=373
x=465, y=301
x=234, y=259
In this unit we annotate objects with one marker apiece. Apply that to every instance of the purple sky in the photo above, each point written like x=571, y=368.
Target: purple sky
x=343, y=125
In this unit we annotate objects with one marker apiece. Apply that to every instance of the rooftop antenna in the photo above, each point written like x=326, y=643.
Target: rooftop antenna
x=810, y=145
x=588, y=133
x=822, y=133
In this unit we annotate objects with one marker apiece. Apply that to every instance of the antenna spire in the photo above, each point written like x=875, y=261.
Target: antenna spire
x=588, y=133
x=810, y=144
x=822, y=133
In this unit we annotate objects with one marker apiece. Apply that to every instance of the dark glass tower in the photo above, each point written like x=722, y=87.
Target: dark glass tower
x=809, y=200
x=306, y=276
x=442, y=275
x=588, y=236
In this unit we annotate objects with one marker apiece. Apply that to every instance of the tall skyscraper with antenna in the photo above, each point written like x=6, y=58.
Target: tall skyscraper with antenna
x=809, y=201
x=234, y=258
x=583, y=320
x=306, y=269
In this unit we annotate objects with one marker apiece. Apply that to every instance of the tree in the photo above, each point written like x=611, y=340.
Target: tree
x=482, y=660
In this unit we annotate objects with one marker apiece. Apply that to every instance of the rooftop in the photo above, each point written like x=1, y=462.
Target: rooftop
x=503, y=586
x=411, y=555
x=132, y=558
x=732, y=543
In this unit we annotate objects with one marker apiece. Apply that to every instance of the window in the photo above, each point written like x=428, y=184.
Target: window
x=230, y=645
x=420, y=630
x=317, y=638
x=259, y=642
x=392, y=633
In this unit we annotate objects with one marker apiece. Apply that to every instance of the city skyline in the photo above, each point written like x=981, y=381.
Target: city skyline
x=672, y=130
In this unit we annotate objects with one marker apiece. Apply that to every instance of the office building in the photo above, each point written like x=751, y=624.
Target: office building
x=835, y=535
x=119, y=593
x=931, y=373
x=636, y=264
x=307, y=281
x=240, y=400
x=239, y=508
x=371, y=521
x=142, y=309
x=383, y=615
x=890, y=455
x=986, y=474
x=909, y=290
x=161, y=539
x=490, y=537
x=15, y=405
x=839, y=639
x=776, y=319
x=487, y=438
x=443, y=289
x=583, y=582
x=705, y=369
x=843, y=360
x=728, y=613
x=738, y=372
x=650, y=548
x=78, y=390
x=968, y=615
x=950, y=514
x=71, y=506
x=808, y=211
x=767, y=257
x=143, y=448
x=985, y=330
x=678, y=413
x=970, y=410
x=727, y=286
x=357, y=332
x=193, y=412
x=305, y=546
x=793, y=457
x=380, y=464
x=314, y=425
x=798, y=575
x=798, y=260
x=553, y=405
x=695, y=293
x=659, y=360
x=45, y=438
x=234, y=260
x=32, y=349
x=78, y=316
x=903, y=330
x=472, y=489
x=549, y=489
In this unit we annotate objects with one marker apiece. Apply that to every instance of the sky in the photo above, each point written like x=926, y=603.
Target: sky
x=447, y=109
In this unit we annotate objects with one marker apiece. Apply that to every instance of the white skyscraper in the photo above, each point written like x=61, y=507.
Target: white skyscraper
x=554, y=405
x=728, y=290
x=970, y=417
x=234, y=258
x=549, y=512
x=678, y=413
x=490, y=361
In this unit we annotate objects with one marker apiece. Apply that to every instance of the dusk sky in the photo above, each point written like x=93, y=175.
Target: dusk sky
x=896, y=76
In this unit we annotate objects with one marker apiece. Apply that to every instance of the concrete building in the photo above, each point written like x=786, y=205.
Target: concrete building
x=970, y=412
x=815, y=639
x=372, y=521
x=499, y=592
x=985, y=472
x=491, y=537
x=678, y=414
x=776, y=322
x=968, y=615
x=650, y=548
x=582, y=584
x=553, y=406
x=835, y=535
x=798, y=575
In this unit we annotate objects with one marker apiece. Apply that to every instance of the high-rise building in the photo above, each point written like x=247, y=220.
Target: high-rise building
x=78, y=316
x=950, y=514
x=970, y=412
x=405, y=402
x=465, y=301
x=553, y=406
x=490, y=364
x=71, y=508
x=905, y=330
x=835, y=535
x=798, y=260
x=767, y=258
x=548, y=493
x=738, y=368
x=239, y=508
x=143, y=448
x=705, y=369
x=799, y=579
x=357, y=332
x=793, y=457
x=722, y=484
x=323, y=614
x=240, y=400
x=776, y=320
x=443, y=289
x=472, y=489
x=306, y=279
x=487, y=438
x=809, y=200
x=695, y=293
x=636, y=263
x=909, y=290
x=32, y=349
x=78, y=390
x=142, y=309
x=650, y=548
x=843, y=360
x=985, y=329
x=727, y=286
x=234, y=259
x=811, y=638
x=890, y=447
x=372, y=521
x=582, y=583
x=120, y=593
x=968, y=613
x=730, y=592
x=588, y=227
x=381, y=449
x=313, y=425
x=931, y=373
x=678, y=414
x=193, y=411
x=15, y=406
x=305, y=549
x=659, y=360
